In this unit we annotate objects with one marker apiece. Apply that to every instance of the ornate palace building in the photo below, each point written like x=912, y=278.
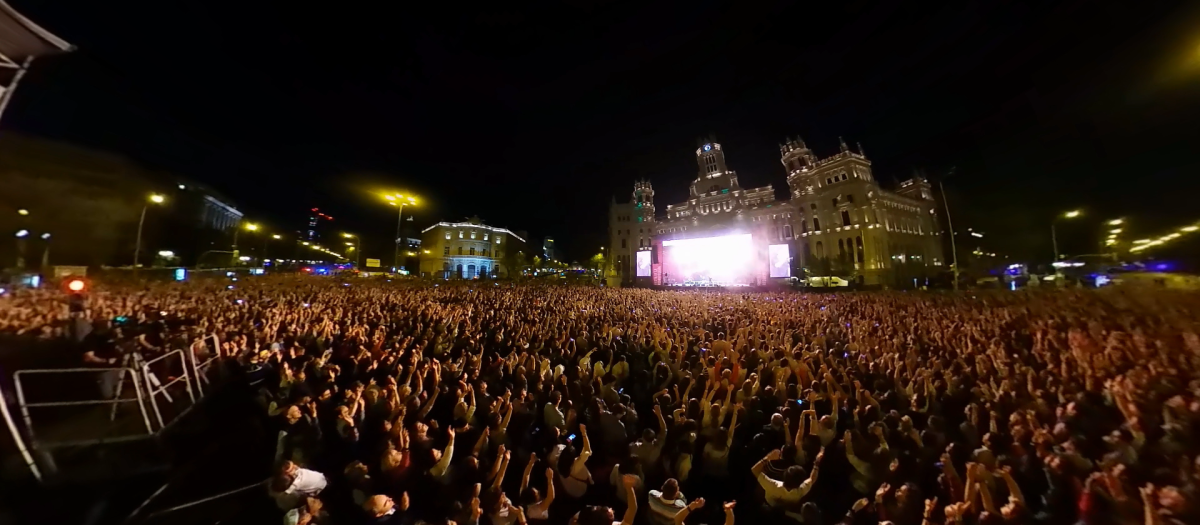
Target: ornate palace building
x=466, y=250
x=838, y=222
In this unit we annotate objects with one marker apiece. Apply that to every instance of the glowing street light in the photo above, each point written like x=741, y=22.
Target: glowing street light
x=276, y=236
x=1054, y=236
x=399, y=200
x=22, y=212
x=21, y=234
x=1115, y=231
x=137, y=249
x=1189, y=229
x=1116, y=222
x=251, y=226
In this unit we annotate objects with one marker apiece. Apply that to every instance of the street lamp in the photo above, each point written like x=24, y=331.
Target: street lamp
x=399, y=201
x=1054, y=236
x=1116, y=222
x=22, y=212
x=137, y=249
x=249, y=226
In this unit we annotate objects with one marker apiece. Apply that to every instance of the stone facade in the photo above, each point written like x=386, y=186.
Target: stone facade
x=837, y=220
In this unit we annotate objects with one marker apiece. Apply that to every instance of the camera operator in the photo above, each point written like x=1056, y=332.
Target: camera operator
x=100, y=350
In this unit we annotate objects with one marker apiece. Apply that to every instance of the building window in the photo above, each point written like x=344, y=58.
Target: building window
x=447, y=235
x=803, y=226
x=471, y=271
x=472, y=235
x=446, y=252
x=460, y=250
x=845, y=217
x=460, y=234
x=472, y=250
x=498, y=238
x=816, y=224
x=814, y=206
x=859, y=247
x=483, y=271
x=820, y=249
x=460, y=271
x=485, y=236
x=850, y=198
x=835, y=202
x=623, y=243
x=787, y=231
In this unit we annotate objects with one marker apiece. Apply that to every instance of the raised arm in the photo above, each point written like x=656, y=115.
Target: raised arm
x=686, y=510
x=631, y=498
x=439, y=469
x=528, y=470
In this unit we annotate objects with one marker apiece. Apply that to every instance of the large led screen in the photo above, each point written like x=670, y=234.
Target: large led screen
x=781, y=260
x=643, y=263
x=709, y=260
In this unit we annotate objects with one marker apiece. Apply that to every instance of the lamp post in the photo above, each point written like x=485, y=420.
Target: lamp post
x=950, y=226
x=45, y=252
x=21, y=236
x=1054, y=235
x=249, y=226
x=356, y=246
x=137, y=249
x=399, y=201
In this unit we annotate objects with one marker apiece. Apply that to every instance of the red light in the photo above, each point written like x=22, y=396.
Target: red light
x=76, y=285
x=308, y=269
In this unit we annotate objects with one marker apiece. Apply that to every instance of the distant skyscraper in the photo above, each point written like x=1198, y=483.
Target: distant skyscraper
x=315, y=218
x=548, y=250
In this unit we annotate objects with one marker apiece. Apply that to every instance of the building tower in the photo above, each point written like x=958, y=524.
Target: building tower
x=643, y=201
x=712, y=173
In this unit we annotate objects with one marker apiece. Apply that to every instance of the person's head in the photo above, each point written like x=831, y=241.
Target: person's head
x=777, y=420
x=595, y=515
x=648, y=435
x=379, y=505
x=293, y=414
x=670, y=489
x=793, y=477
x=810, y=514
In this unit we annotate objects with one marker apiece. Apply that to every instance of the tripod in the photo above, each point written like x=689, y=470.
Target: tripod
x=135, y=362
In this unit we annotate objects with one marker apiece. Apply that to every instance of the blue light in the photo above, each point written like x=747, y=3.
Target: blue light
x=1162, y=267
x=708, y=147
x=1012, y=286
x=181, y=274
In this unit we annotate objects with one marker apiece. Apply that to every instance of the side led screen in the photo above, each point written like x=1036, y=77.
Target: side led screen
x=781, y=260
x=643, y=263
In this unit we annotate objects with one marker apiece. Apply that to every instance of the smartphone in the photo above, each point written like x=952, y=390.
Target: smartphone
x=800, y=402
x=571, y=437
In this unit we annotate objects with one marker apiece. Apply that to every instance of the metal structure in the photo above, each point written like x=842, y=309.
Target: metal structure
x=146, y=391
x=21, y=41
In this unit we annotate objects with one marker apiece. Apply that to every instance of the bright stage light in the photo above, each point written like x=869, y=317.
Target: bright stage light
x=721, y=260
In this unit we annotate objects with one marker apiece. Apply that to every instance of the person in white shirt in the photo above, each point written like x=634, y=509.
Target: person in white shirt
x=666, y=503
x=297, y=484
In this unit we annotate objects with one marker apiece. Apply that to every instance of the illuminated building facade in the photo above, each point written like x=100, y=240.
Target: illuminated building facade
x=838, y=222
x=467, y=250
x=315, y=220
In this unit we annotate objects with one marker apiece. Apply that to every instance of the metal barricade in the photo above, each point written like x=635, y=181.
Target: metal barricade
x=155, y=387
x=19, y=439
x=201, y=368
x=25, y=405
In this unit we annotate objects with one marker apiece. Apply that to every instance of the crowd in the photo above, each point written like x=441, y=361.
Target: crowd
x=407, y=404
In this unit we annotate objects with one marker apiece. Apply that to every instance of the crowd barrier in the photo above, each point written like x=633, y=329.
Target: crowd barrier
x=169, y=386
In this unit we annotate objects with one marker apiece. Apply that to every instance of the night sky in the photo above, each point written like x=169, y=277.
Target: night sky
x=534, y=119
